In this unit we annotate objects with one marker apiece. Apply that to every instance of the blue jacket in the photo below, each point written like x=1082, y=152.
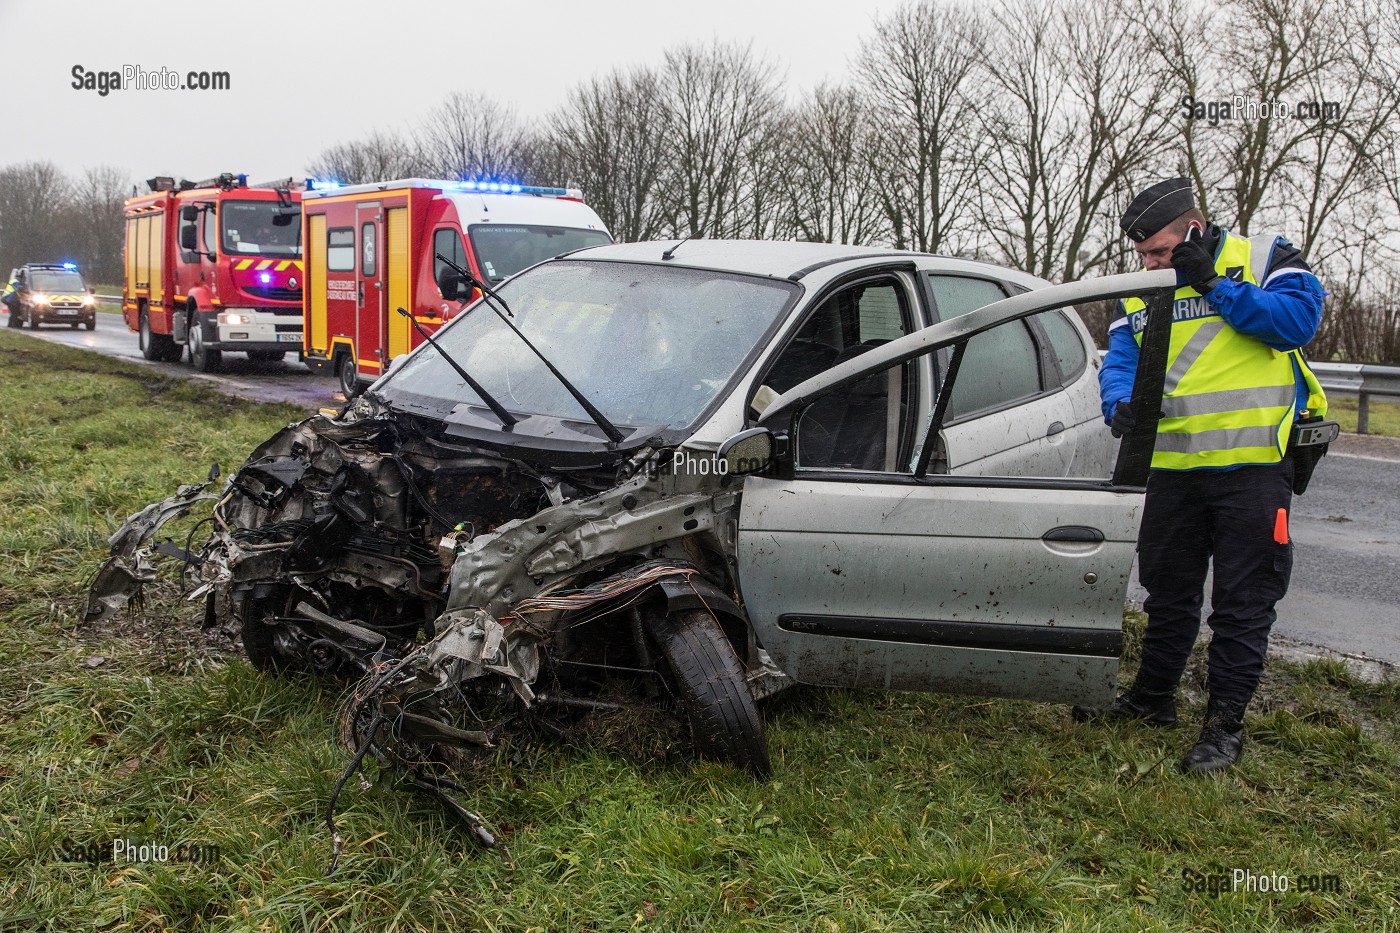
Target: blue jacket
x=1282, y=312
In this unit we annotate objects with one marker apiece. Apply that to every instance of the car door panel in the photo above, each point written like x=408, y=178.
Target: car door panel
x=937, y=585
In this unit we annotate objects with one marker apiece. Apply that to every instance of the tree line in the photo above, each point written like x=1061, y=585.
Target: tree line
x=1013, y=132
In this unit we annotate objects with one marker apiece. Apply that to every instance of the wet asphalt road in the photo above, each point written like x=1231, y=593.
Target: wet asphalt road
x=1346, y=577
x=287, y=381
x=1345, y=592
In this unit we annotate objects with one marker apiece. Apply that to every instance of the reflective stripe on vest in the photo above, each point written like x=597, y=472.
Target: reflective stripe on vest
x=1228, y=400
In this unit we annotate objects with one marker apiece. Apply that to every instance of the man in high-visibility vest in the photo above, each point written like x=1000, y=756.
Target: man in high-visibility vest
x=1223, y=473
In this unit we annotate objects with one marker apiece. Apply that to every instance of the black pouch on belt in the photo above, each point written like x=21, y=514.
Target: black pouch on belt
x=1307, y=444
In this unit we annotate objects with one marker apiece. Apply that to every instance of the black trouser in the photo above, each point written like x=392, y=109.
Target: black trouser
x=1230, y=516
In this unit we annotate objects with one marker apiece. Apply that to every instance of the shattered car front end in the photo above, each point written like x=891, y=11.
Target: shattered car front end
x=473, y=588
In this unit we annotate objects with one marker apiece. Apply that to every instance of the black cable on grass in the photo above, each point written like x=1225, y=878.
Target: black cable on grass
x=337, y=844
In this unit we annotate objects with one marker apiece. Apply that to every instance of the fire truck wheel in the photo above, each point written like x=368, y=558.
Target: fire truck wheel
x=350, y=377
x=201, y=357
x=146, y=340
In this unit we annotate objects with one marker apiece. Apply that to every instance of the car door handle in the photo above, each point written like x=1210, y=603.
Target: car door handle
x=1082, y=533
x=1055, y=428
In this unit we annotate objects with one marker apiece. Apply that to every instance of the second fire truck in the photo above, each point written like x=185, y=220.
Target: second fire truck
x=373, y=248
x=214, y=266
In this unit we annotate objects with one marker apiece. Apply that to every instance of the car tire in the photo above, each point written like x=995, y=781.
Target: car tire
x=714, y=694
x=202, y=358
x=259, y=638
x=33, y=321
x=90, y=325
x=349, y=373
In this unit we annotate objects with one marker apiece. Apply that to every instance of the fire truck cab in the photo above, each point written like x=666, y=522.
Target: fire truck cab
x=215, y=266
x=371, y=249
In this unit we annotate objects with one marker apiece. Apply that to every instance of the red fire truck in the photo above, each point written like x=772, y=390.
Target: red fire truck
x=216, y=266
x=371, y=249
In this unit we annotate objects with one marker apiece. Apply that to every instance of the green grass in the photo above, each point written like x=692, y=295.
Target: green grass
x=1383, y=417
x=885, y=811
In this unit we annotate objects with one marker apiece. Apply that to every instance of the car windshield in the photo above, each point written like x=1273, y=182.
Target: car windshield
x=70, y=283
x=504, y=249
x=261, y=228
x=648, y=345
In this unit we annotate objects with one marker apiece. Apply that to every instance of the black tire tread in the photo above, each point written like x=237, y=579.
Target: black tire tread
x=719, y=706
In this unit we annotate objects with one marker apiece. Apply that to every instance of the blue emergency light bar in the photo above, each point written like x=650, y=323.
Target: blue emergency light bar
x=71, y=266
x=509, y=187
x=321, y=184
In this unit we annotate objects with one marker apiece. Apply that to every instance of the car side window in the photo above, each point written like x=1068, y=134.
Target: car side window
x=956, y=295
x=861, y=426
x=1065, y=346
x=1000, y=367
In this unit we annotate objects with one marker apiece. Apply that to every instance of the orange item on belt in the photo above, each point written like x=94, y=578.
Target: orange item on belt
x=1281, y=526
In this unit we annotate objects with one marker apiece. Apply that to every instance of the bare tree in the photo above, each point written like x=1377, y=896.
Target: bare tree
x=918, y=71
x=720, y=101
x=472, y=136
x=610, y=139
x=826, y=172
x=95, y=223
x=33, y=198
x=1073, y=117
x=380, y=156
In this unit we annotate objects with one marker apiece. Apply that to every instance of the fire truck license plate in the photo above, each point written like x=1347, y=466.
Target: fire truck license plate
x=289, y=338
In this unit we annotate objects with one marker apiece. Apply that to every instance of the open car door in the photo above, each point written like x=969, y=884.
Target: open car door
x=913, y=578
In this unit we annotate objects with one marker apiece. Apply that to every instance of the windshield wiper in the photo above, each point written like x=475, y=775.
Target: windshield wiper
x=491, y=297
x=507, y=419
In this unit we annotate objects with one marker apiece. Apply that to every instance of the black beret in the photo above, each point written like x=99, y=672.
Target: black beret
x=1156, y=207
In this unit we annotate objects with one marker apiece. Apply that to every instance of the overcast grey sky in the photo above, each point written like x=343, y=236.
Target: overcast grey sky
x=306, y=75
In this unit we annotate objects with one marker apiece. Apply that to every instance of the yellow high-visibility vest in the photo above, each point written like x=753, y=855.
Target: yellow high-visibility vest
x=1228, y=399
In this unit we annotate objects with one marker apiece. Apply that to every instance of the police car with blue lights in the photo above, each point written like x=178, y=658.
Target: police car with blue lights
x=49, y=293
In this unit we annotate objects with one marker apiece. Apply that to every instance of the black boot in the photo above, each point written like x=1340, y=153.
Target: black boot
x=1154, y=707
x=1222, y=739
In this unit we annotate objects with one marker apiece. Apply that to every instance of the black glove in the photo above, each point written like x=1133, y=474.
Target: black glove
x=1123, y=421
x=1194, y=266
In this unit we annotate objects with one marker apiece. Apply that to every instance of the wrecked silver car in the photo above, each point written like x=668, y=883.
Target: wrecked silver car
x=684, y=475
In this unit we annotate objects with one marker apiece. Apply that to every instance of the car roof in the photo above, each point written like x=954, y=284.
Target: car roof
x=779, y=259
x=788, y=259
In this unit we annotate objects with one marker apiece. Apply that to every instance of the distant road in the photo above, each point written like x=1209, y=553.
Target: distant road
x=1346, y=576
x=287, y=381
x=1345, y=593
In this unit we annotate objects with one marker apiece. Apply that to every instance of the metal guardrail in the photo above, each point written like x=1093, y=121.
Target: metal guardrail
x=1362, y=380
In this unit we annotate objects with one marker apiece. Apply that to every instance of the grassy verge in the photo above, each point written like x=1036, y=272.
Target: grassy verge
x=1384, y=417
x=886, y=811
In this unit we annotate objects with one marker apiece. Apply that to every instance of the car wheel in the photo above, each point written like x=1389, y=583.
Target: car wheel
x=90, y=325
x=201, y=357
x=33, y=321
x=350, y=378
x=259, y=638
x=714, y=695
